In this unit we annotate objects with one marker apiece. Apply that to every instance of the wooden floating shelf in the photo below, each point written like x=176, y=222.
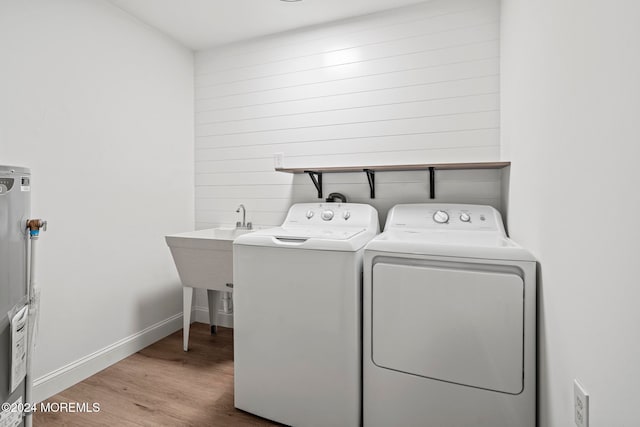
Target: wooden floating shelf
x=388, y=168
x=316, y=173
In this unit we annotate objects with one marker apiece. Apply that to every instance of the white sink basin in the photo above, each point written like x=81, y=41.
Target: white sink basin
x=211, y=237
x=223, y=233
x=204, y=258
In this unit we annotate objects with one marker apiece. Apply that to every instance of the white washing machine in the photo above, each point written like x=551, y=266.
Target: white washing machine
x=297, y=315
x=449, y=321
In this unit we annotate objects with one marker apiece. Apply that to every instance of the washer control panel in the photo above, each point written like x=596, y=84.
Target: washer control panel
x=441, y=216
x=331, y=214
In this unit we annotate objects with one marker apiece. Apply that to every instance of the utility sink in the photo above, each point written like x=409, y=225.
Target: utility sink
x=204, y=259
x=212, y=238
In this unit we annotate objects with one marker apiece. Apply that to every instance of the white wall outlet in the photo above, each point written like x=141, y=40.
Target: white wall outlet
x=278, y=160
x=581, y=405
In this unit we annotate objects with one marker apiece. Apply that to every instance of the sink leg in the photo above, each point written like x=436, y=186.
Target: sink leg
x=214, y=302
x=187, y=298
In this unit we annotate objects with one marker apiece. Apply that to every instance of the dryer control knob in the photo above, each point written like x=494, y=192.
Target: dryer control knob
x=327, y=215
x=464, y=217
x=441, y=217
x=309, y=214
x=346, y=215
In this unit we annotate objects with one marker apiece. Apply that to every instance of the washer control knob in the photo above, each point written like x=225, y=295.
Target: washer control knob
x=327, y=215
x=441, y=217
x=464, y=217
x=346, y=215
x=309, y=214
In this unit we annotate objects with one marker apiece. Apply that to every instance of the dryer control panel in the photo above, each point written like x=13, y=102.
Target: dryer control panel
x=444, y=216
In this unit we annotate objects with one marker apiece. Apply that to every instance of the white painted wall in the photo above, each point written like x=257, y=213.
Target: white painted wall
x=413, y=85
x=570, y=109
x=101, y=108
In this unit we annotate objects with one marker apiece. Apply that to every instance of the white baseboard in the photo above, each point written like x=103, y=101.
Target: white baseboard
x=201, y=315
x=66, y=376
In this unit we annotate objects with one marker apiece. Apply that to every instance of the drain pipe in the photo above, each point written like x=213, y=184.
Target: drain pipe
x=227, y=303
x=33, y=293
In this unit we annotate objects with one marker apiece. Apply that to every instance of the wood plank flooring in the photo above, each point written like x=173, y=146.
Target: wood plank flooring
x=162, y=385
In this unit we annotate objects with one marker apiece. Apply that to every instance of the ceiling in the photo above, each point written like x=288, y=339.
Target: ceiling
x=200, y=24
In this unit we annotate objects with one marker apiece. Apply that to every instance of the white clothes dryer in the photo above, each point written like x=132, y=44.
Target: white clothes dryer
x=297, y=315
x=449, y=321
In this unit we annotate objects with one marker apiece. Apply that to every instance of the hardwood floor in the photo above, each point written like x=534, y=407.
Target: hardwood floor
x=161, y=385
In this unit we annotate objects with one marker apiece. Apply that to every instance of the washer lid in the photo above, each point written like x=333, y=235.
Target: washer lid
x=318, y=238
x=320, y=226
x=315, y=233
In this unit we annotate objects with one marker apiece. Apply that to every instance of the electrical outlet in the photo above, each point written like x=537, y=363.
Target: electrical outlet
x=278, y=160
x=581, y=405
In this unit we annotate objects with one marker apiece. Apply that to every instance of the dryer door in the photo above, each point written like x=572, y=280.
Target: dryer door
x=455, y=324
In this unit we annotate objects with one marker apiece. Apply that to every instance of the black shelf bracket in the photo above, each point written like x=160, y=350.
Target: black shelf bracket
x=316, y=177
x=371, y=177
x=432, y=182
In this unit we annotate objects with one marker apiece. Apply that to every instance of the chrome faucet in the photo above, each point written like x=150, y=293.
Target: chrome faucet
x=243, y=224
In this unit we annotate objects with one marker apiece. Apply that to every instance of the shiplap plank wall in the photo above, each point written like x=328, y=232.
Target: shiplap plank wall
x=411, y=85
